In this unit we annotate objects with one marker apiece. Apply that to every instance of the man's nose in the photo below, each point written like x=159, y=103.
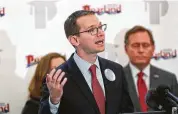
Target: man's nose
x=100, y=32
x=141, y=49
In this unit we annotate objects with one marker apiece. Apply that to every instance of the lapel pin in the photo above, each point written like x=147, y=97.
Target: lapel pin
x=156, y=76
x=109, y=74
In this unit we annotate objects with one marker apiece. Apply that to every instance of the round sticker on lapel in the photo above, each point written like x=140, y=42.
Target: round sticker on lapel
x=109, y=74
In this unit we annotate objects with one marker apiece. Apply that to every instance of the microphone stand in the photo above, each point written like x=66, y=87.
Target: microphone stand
x=174, y=110
x=174, y=107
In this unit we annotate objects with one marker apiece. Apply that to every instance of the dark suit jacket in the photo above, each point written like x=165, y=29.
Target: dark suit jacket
x=78, y=98
x=157, y=77
x=31, y=106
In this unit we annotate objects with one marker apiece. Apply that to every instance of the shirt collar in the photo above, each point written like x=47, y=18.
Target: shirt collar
x=135, y=70
x=83, y=64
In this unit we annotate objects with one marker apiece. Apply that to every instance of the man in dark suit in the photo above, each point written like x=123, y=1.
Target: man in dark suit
x=140, y=74
x=86, y=83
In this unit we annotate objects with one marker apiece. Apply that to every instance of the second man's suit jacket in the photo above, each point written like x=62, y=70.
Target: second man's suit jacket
x=78, y=98
x=157, y=77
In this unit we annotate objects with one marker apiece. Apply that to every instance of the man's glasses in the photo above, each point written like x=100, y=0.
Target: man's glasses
x=94, y=31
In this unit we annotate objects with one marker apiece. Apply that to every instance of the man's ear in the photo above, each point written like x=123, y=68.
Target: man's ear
x=73, y=40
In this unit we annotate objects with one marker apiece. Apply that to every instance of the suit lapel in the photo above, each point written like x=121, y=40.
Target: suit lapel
x=132, y=89
x=154, y=77
x=78, y=77
x=109, y=92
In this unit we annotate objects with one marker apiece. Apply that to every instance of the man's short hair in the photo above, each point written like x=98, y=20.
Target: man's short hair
x=70, y=25
x=136, y=29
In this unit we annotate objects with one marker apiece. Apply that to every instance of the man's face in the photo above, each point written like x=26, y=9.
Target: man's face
x=90, y=43
x=139, y=49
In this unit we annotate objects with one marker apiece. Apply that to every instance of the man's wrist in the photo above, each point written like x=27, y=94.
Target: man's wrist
x=54, y=100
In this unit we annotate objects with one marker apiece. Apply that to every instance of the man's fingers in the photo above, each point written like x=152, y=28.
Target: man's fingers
x=60, y=77
x=63, y=82
x=47, y=80
x=58, y=72
x=56, y=81
x=50, y=75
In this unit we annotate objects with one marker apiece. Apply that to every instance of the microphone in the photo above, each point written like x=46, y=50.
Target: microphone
x=158, y=99
x=153, y=100
x=165, y=90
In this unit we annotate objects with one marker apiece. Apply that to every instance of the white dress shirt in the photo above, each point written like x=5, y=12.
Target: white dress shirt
x=84, y=68
x=146, y=76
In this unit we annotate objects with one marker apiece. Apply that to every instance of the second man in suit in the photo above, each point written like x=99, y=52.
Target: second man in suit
x=140, y=74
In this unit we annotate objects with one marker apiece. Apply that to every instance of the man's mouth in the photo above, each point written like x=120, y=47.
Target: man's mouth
x=100, y=42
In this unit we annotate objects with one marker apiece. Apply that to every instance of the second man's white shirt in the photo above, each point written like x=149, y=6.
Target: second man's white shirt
x=146, y=77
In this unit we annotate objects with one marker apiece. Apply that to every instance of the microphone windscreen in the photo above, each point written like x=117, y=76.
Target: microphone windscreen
x=152, y=99
x=162, y=90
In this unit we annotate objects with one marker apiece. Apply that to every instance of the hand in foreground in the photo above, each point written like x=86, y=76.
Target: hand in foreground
x=55, y=81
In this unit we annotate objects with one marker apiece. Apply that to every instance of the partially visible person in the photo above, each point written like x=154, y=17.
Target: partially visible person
x=140, y=74
x=47, y=62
